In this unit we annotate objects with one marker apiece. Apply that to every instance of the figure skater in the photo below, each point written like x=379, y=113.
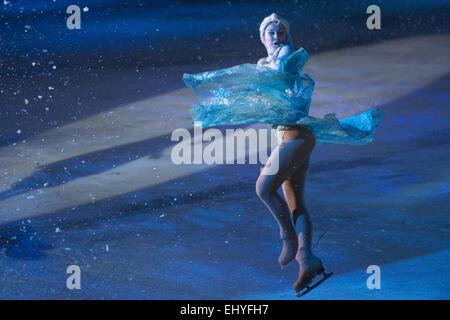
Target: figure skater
x=275, y=92
x=292, y=155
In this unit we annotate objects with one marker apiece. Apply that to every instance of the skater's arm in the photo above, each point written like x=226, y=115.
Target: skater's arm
x=276, y=60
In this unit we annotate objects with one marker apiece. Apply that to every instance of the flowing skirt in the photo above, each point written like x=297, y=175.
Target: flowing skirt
x=250, y=93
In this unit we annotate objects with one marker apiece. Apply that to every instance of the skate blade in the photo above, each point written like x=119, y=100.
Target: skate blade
x=310, y=286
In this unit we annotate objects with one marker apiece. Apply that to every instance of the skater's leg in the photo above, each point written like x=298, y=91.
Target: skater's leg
x=293, y=189
x=290, y=154
x=309, y=264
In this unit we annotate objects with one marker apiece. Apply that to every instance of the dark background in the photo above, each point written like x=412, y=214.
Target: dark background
x=158, y=40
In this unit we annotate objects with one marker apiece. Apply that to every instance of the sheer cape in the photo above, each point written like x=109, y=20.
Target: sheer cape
x=250, y=93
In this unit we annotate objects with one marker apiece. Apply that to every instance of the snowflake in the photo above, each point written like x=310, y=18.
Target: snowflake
x=203, y=76
x=289, y=92
x=259, y=98
x=220, y=96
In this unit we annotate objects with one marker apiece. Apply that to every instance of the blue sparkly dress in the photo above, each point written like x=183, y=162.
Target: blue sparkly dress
x=250, y=93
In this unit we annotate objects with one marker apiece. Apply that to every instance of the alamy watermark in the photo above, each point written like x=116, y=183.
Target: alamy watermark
x=74, y=20
x=374, y=20
x=74, y=280
x=229, y=149
x=374, y=280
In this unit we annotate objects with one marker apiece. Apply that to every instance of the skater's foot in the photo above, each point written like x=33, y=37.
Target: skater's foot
x=290, y=246
x=310, y=266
